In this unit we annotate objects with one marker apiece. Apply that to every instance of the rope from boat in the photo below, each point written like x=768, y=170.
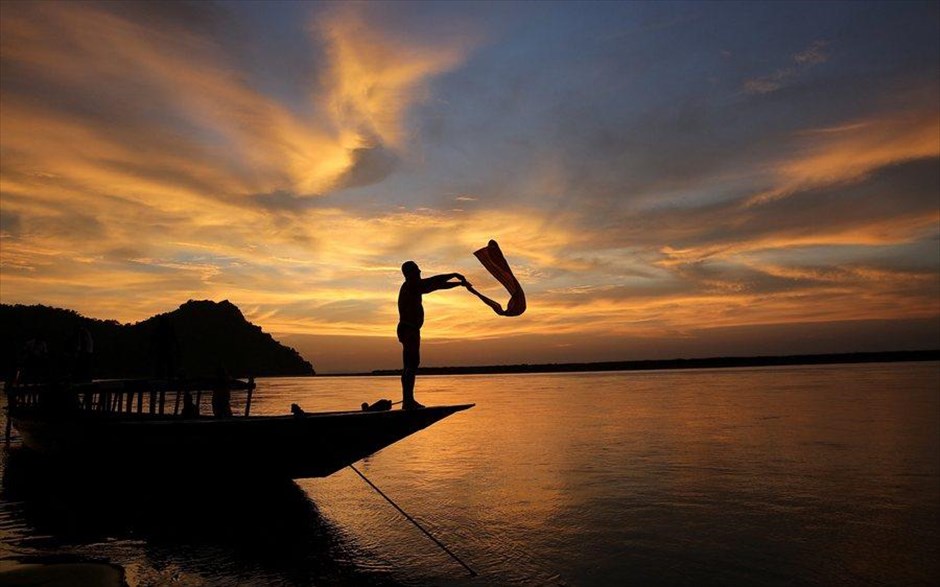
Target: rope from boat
x=413, y=521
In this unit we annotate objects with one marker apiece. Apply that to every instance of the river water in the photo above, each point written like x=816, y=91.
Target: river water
x=821, y=475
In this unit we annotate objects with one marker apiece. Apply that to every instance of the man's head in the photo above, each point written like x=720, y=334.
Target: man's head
x=411, y=270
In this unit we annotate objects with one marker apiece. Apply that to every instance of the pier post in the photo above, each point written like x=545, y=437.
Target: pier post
x=11, y=405
x=251, y=388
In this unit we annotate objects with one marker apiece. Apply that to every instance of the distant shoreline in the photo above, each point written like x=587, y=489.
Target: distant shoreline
x=661, y=364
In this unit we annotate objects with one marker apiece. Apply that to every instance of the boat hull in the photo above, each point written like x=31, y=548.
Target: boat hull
x=309, y=445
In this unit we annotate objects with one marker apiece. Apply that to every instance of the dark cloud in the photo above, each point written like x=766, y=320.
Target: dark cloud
x=718, y=278
x=894, y=192
x=283, y=201
x=10, y=224
x=203, y=16
x=68, y=225
x=123, y=254
x=370, y=165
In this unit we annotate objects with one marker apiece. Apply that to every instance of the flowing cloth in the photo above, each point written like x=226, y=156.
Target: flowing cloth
x=492, y=258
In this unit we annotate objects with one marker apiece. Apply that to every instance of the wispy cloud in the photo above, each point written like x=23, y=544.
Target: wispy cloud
x=812, y=55
x=852, y=151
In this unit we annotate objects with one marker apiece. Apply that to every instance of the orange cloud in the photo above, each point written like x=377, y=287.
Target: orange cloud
x=890, y=231
x=851, y=152
x=375, y=76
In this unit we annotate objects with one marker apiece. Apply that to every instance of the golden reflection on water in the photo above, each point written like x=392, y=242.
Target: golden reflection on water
x=739, y=467
x=774, y=476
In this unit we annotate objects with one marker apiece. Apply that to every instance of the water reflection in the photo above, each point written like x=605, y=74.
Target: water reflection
x=236, y=531
x=783, y=476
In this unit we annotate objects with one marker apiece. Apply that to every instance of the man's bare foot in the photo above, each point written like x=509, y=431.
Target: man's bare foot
x=411, y=405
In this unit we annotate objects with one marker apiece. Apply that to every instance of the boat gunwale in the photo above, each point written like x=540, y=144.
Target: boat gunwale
x=170, y=419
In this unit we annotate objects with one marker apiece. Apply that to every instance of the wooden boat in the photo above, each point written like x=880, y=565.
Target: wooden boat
x=130, y=424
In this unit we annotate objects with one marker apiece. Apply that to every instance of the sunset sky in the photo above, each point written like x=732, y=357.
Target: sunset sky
x=666, y=179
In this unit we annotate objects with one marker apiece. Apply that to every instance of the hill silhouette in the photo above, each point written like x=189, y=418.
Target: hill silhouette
x=205, y=335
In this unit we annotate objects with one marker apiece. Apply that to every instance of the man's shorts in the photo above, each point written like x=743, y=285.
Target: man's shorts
x=408, y=333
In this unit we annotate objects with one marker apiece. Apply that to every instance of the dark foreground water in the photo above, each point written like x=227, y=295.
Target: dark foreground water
x=824, y=475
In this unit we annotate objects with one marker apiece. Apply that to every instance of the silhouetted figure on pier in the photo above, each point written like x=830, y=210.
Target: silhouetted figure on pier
x=189, y=406
x=222, y=396
x=411, y=319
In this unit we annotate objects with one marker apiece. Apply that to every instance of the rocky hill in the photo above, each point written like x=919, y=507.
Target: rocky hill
x=197, y=339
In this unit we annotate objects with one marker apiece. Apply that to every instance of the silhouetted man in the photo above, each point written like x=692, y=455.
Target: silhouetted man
x=411, y=319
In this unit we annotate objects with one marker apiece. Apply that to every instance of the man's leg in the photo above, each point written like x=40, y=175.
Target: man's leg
x=411, y=358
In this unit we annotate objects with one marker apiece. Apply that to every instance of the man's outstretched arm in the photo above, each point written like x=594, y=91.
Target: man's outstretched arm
x=442, y=282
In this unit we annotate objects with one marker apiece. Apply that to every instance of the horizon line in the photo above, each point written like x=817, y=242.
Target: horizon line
x=730, y=361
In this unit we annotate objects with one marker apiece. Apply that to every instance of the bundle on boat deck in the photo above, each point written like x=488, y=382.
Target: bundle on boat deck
x=137, y=424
